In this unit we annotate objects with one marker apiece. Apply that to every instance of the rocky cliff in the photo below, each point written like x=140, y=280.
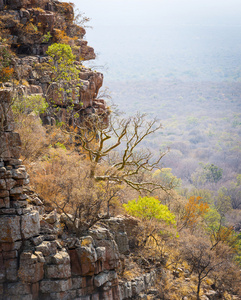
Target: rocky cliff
x=39, y=258
x=28, y=28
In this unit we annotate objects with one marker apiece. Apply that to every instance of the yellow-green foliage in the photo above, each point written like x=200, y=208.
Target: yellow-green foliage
x=33, y=103
x=169, y=180
x=148, y=208
x=62, y=63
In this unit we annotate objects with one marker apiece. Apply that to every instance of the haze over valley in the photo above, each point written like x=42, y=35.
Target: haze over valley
x=179, y=61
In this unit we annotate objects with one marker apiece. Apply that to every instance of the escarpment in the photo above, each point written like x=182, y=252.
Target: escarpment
x=28, y=28
x=40, y=258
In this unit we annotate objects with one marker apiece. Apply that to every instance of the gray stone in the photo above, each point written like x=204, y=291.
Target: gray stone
x=11, y=267
x=5, y=202
x=3, y=185
x=10, y=229
x=30, y=225
x=51, y=218
x=18, y=288
x=47, y=248
x=19, y=173
x=77, y=283
x=101, y=278
x=37, y=240
x=62, y=271
x=10, y=183
x=4, y=193
x=31, y=268
x=16, y=190
x=55, y=285
x=101, y=253
x=61, y=257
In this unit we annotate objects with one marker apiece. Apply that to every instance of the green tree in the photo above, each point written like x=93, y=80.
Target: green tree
x=212, y=173
x=149, y=208
x=64, y=74
x=62, y=62
x=208, y=173
x=167, y=178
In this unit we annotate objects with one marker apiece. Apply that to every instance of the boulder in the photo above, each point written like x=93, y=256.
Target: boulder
x=10, y=145
x=61, y=271
x=83, y=258
x=30, y=225
x=31, y=267
x=47, y=248
x=10, y=229
x=47, y=286
x=51, y=218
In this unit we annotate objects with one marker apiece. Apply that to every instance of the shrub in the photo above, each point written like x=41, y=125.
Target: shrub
x=6, y=71
x=33, y=103
x=148, y=208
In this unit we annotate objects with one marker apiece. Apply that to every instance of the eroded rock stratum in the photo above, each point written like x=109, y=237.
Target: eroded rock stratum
x=38, y=259
x=28, y=28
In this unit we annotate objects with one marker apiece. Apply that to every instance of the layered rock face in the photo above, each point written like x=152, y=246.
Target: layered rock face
x=30, y=27
x=38, y=260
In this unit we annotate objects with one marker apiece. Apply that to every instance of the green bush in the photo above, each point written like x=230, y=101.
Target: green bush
x=148, y=208
x=33, y=103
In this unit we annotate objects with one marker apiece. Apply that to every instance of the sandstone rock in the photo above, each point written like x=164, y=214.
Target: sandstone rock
x=51, y=218
x=104, y=277
x=11, y=267
x=61, y=257
x=11, y=246
x=2, y=269
x=16, y=190
x=77, y=282
x=86, y=52
x=10, y=229
x=5, y=202
x=46, y=228
x=10, y=145
x=19, y=173
x=3, y=184
x=4, y=193
x=101, y=253
x=7, y=211
x=60, y=271
x=18, y=288
x=10, y=254
x=30, y=225
x=31, y=267
x=69, y=221
x=83, y=258
x=37, y=240
x=138, y=286
x=47, y=248
x=10, y=183
x=35, y=200
x=55, y=285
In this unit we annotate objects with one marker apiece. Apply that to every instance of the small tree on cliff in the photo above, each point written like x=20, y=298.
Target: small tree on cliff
x=64, y=73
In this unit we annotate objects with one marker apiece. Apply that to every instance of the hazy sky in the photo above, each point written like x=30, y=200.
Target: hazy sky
x=109, y=12
x=160, y=38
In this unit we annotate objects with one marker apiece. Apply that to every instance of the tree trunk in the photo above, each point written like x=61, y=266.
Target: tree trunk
x=198, y=287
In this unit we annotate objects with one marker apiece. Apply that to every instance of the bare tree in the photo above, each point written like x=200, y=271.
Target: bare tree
x=201, y=258
x=102, y=142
